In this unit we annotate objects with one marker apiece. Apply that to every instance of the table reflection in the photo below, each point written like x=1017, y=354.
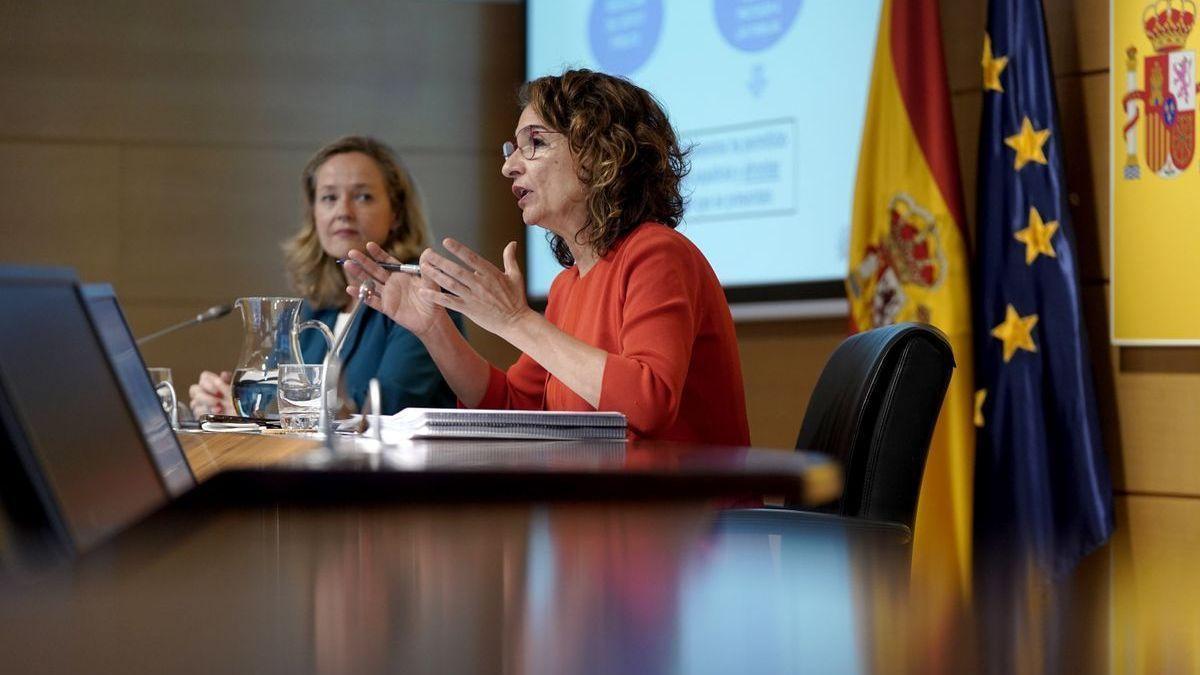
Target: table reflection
x=588, y=587
x=591, y=588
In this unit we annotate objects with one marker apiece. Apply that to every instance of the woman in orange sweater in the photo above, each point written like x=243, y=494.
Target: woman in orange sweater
x=636, y=322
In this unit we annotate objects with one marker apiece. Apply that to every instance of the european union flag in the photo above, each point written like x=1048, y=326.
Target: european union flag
x=1041, y=477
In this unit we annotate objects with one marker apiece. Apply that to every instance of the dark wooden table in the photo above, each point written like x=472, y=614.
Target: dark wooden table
x=284, y=466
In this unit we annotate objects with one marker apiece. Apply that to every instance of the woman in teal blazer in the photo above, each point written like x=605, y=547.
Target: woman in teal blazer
x=356, y=192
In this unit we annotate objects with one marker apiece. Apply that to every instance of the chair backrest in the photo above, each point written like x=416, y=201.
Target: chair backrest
x=874, y=409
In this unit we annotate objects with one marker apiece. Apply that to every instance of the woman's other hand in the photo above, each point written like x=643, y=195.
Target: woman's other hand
x=397, y=294
x=492, y=298
x=212, y=394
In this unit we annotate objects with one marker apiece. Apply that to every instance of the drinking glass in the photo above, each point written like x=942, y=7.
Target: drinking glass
x=300, y=387
x=164, y=386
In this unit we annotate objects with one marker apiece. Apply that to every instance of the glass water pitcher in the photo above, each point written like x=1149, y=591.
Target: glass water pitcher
x=271, y=337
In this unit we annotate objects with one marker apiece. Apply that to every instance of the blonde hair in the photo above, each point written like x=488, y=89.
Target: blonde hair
x=312, y=272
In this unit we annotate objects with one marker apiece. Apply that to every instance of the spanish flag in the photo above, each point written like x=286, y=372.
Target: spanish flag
x=908, y=262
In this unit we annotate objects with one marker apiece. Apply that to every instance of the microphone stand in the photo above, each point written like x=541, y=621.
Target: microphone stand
x=214, y=312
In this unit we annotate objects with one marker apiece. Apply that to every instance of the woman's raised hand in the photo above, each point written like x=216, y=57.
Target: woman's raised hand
x=397, y=294
x=492, y=298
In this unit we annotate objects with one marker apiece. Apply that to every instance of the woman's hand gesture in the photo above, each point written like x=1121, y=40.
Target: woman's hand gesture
x=397, y=294
x=492, y=298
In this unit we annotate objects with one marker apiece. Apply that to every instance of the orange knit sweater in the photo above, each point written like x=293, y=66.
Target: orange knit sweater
x=655, y=305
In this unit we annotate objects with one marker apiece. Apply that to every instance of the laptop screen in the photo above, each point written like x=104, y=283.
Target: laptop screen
x=139, y=391
x=67, y=413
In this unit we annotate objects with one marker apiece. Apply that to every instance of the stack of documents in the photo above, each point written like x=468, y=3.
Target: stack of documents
x=535, y=424
x=231, y=427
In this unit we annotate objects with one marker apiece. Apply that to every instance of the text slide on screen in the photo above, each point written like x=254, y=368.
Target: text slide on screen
x=770, y=94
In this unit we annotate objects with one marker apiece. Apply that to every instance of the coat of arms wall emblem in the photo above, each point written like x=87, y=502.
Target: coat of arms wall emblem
x=1168, y=93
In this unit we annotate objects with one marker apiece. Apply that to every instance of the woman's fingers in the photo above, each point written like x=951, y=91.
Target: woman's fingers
x=446, y=273
x=373, y=300
x=377, y=253
x=511, y=268
x=355, y=274
x=212, y=394
x=475, y=261
x=366, y=268
x=444, y=280
x=213, y=384
x=197, y=393
x=203, y=403
x=447, y=300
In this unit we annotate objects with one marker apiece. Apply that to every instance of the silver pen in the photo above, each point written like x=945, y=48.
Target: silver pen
x=391, y=267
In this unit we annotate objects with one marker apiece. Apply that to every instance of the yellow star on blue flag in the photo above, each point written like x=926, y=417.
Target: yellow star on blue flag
x=993, y=66
x=1037, y=236
x=1016, y=332
x=1028, y=143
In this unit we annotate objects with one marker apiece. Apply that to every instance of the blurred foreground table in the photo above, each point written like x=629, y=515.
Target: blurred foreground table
x=454, y=588
x=513, y=582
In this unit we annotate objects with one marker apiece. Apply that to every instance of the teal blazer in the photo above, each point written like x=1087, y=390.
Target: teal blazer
x=378, y=347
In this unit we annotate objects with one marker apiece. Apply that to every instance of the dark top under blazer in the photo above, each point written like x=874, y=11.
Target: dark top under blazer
x=378, y=347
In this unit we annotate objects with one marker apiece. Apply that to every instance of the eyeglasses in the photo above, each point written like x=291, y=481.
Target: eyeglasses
x=528, y=140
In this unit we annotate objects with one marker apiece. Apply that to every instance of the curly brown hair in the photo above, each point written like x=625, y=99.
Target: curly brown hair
x=313, y=273
x=626, y=152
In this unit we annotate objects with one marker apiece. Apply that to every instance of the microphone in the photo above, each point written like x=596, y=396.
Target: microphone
x=214, y=312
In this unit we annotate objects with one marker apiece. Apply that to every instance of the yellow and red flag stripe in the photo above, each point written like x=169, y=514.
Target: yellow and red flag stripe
x=908, y=262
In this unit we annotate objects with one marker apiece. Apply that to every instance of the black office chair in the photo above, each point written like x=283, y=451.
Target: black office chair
x=874, y=410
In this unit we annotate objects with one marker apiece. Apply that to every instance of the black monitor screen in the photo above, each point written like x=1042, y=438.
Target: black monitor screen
x=69, y=409
x=131, y=371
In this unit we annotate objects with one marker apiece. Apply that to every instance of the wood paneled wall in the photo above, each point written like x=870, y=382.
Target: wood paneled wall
x=158, y=145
